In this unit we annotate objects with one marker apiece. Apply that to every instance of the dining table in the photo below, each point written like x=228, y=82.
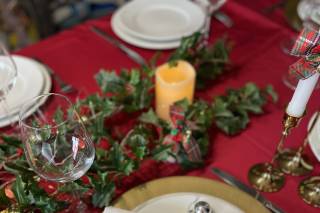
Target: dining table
x=77, y=54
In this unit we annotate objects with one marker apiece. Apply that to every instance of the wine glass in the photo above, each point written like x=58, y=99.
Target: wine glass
x=8, y=75
x=56, y=143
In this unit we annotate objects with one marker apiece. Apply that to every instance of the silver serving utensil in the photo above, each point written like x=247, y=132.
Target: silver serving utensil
x=64, y=87
x=200, y=207
x=223, y=18
x=136, y=57
x=238, y=184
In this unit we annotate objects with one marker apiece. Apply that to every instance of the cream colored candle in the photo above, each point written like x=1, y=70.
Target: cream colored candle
x=173, y=83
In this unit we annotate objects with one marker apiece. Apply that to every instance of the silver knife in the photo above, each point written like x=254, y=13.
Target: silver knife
x=129, y=52
x=236, y=183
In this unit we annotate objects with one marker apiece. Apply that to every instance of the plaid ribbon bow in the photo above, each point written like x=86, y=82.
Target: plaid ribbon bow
x=182, y=133
x=307, y=46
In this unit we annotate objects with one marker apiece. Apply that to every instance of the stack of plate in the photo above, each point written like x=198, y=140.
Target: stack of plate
x=157, y=24
x=32, y=80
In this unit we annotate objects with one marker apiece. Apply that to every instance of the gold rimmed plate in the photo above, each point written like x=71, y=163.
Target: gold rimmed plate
x=149, y=191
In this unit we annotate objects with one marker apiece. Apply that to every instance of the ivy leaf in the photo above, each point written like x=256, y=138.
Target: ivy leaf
x=134, y=77
x=104, y=190
x=41, y=200
x=270, y=91
x=231, y=111
x=150, y=117
x=109, y=81
x=18, y=189
x=210, y=62
x=119, y=161
x=187, y=43
x=18, y=167
x=162, y=152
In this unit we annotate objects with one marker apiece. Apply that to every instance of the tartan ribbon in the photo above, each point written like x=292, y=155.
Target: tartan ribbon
x=306, y=46
x=182, y=133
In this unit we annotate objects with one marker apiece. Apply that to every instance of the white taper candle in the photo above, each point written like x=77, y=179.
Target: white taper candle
x=302, y=93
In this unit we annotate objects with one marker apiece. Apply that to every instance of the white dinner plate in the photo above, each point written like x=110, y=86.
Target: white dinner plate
x=181, y=202
x=161, y=20
x=33, y=79
x=117, y=28
x=314, y=137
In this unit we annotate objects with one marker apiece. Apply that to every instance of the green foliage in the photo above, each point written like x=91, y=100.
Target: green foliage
x=104, y=189
x=231, y=112
x=31, y=198
x=130, y=89
x=209, y=62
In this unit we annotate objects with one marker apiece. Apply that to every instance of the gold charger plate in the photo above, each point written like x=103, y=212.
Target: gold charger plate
x=158, y=187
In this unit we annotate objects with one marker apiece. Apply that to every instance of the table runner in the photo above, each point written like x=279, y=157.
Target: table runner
x=77, y=54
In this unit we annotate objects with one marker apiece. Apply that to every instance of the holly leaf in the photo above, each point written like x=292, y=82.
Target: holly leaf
x=231, y=111
x=104, y=190
x=150, y=117
x=210, y=62
x=162, y=152
x=18, y=189
x=271, y=92
x=109, y=81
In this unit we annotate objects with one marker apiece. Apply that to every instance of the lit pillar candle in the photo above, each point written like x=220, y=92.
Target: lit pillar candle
x=173, y=83
x=302, y=93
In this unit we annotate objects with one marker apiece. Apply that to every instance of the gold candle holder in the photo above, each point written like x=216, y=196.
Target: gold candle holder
x=264, y=176
x=293, y=161
x=309, y=189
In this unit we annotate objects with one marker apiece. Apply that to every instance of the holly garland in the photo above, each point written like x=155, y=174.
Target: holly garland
x=126, y=131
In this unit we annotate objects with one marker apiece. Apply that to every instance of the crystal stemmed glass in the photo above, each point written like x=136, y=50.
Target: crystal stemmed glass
x=56, y=143
x=8, y=75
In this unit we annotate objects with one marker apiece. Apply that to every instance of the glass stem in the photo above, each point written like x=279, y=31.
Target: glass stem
x=5, y=107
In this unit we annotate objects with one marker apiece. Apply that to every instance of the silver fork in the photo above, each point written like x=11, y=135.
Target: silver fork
x=64, y=87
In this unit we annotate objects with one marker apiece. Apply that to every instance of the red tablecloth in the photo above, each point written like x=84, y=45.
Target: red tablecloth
x=77, y=54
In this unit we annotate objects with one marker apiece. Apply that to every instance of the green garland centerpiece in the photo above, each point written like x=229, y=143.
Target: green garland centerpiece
x=120, y=151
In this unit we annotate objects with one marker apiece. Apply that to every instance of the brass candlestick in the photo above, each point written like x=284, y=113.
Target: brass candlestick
x=309, y=189
x=264, y=176
x=293, y=161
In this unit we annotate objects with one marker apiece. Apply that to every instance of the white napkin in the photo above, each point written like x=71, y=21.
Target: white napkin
x=115, y=210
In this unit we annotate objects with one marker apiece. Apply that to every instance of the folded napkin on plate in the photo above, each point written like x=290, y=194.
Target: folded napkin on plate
x=115, y=210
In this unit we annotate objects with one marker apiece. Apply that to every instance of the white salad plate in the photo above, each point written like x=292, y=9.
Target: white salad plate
x=33, y=79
